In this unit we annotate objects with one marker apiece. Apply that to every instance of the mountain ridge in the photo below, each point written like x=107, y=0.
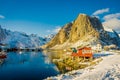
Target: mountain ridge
x=15, y=39
x=84, y=30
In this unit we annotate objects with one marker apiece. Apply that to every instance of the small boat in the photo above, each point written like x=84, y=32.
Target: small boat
x=3, y=55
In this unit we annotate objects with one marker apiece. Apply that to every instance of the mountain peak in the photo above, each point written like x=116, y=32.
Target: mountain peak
x=82, y=14
x=85, y=29
x=84, y=25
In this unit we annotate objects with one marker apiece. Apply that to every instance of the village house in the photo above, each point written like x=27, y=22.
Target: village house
x=85, y=52
x=97, y=47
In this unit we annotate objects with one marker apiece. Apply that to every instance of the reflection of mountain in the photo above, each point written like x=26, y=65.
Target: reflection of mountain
x=18, y=39
x=85, y=30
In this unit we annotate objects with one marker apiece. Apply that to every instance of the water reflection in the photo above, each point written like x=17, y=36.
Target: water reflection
x=53, y=54
x=56, y=55
x=27, y=66
x=20, y=52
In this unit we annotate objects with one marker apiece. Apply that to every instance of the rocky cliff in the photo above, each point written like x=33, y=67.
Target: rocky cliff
x=84, y=25
x=85, y=30
x=61, y=37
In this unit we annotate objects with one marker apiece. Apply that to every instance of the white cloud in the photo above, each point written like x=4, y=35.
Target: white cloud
x=56, y=30
x=2, y=17
x=112, y=21
x=111, y=16
x=113, y=24
x=97, y=17
x=101, y=11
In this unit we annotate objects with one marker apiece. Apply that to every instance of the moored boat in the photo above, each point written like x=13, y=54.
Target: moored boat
x=3, y=55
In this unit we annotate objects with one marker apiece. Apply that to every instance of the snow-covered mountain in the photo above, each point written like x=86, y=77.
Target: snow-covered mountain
x=114, y=35
x=20, y=40
x=49, y=37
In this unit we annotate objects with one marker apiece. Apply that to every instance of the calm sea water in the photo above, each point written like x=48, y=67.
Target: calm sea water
x=27, y=66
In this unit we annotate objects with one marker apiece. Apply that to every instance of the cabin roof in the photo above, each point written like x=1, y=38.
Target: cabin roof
x=87, y=48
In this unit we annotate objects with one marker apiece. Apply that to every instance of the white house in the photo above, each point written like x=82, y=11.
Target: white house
x=97, y=47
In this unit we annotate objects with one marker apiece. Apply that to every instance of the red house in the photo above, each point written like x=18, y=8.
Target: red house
x=83, y=52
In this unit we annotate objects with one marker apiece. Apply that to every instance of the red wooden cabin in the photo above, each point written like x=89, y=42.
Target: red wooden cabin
x=83, y=52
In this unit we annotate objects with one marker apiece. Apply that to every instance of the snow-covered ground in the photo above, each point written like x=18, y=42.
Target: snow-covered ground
x=107, y=69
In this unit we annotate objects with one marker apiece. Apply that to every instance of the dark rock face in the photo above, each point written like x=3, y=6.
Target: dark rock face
x=2, y=34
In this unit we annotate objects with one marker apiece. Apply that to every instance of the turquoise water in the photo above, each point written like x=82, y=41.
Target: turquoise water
x=27, y=66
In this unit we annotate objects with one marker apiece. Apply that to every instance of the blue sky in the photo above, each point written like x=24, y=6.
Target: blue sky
x=43, y=17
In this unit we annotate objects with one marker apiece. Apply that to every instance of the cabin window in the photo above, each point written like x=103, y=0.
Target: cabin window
x=86, y=51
